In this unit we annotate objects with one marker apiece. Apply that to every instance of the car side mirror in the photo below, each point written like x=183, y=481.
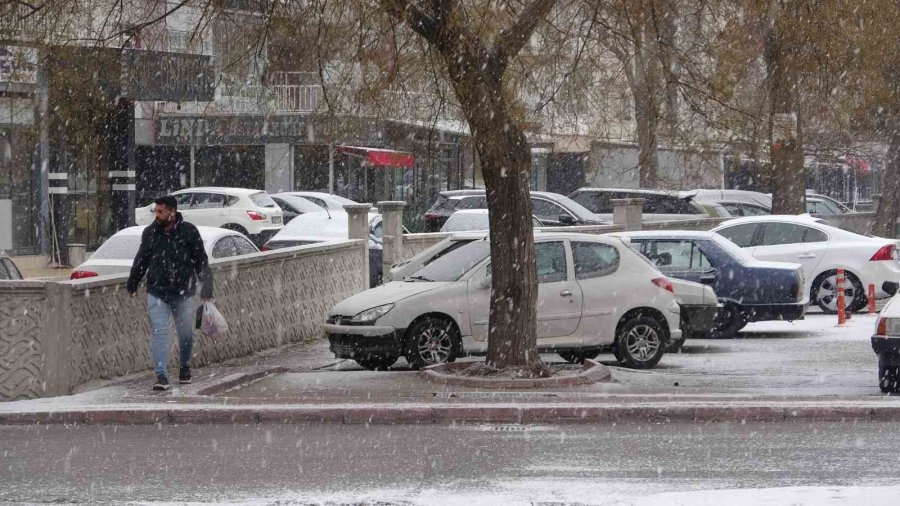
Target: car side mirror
x=709, y=277
x=485, y=284
x=566, y=219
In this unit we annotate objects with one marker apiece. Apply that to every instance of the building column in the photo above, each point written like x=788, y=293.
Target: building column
x=392, y=239
x=358, y=228
x=122, y=168
x=279, y=168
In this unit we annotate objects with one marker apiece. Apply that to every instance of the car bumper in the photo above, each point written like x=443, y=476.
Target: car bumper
x=888, y=350
x=700, y=317
x=764, y=312
x=884, y=275
x=350, y=341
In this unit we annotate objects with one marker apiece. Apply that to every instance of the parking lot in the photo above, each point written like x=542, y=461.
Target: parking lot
x=812, y=357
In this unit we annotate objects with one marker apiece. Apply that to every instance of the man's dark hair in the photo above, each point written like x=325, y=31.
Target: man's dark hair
x=168, y=201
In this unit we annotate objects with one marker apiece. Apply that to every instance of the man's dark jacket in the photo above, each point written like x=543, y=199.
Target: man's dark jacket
x=174, y=262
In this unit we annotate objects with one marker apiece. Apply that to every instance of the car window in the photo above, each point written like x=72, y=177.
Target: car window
x=285, y=206
x=223, y=248
x=118, y=247
x=546, y=210
x=676, y=255
x=472, y=203
x=593, y=260
x=378, y=230
x=183, y=200
x=3, y=272
x=315, y=200
x=263, y=200
x=243, y=246
x=751, y=210
x=550, y=259
x=230, y=200
x=208, y=201
x=813, y=235
x=826, y=207
x=742, y=235
x=596, y=202
x=775, y=234
x=12, y=269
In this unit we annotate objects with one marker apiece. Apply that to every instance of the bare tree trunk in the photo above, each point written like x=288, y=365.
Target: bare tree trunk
x=889, y=206
x=476, y=74
x=646, y=115
x=786, y=151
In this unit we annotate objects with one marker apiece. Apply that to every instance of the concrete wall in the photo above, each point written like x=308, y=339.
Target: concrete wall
x=614, y=165
x=55, y=335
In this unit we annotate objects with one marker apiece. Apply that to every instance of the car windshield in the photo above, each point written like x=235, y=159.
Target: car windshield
x=453, y=265
x=466, y=221
x=263, y=200
x=300, y=204
x=579, y=210
x=733, y=249
x=118, y=247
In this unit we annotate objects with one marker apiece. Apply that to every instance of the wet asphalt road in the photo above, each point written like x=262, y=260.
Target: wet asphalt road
x=580, y=464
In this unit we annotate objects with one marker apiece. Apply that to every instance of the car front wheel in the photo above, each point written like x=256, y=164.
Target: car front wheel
x=640, y=343
x=432, y=340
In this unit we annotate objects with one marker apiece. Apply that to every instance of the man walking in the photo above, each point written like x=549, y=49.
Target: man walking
x=172, y=256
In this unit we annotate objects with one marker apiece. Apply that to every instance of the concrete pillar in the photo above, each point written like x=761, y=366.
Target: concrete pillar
x=358, y=228
x=392, y=243
x=279, y=168
x=628, y=213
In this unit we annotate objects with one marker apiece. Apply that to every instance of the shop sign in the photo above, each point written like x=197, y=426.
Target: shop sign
x=213, y=130
x=18, y=64
x=164, y=76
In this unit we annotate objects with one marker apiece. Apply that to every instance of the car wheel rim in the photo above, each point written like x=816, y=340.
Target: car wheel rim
x=723, y=318
x=434, y=344
x=827, y=293
x=642, y=342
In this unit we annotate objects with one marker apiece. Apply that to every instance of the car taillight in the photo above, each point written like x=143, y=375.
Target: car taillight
x=881, y=328
x=256, y=216
x=265, y=248
x=664, y=283
x=886, y=252
x=82, y=274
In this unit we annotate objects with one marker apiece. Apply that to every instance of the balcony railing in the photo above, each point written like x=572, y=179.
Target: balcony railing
x=292, y=98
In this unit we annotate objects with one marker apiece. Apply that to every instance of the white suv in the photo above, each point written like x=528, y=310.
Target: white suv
x=250, y=212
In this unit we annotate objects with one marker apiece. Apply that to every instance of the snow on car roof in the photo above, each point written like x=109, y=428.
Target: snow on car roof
x=787, y=218
x=333, y=224
x=677, y=234
x=219, y=189
x=648, y=191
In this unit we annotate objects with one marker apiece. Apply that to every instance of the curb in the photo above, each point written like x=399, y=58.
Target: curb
x=239, y=380
x=411, y=415
x=591, y=372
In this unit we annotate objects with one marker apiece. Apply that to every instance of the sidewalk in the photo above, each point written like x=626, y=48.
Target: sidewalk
x=305, y=384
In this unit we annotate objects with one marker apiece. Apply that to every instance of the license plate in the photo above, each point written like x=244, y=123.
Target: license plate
x=276, y=219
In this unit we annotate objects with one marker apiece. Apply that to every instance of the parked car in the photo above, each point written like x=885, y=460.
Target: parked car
x=473, y=219
x=748, y=289
x=8, y=269
x=322, y=199
x=116, y=254
x=698, y=302
x=293, y=206
x=821, y=249
x=312, y=228
x=886, y=344
x=594, y=294
x=738, y=203
x=659, y=205
x=253, y=213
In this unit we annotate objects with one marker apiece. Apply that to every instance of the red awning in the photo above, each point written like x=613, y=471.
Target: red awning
x=381, y=157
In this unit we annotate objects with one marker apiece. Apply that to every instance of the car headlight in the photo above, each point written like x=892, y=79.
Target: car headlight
x=370, y=315
x=888, y=327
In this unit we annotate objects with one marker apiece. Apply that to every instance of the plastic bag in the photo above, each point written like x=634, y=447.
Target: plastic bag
x=212, y=323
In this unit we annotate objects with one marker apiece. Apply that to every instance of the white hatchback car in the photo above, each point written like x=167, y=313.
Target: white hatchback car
x=594, y=294
x=821, y=249
x=250, y=212
x=116, y=254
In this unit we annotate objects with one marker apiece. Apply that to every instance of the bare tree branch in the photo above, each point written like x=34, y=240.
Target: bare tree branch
x=511, y=40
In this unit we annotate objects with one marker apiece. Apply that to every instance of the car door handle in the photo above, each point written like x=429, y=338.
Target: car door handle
x=566, y=293
x=807, y=255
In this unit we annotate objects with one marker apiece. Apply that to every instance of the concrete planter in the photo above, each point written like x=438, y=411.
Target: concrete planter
x=592, y=372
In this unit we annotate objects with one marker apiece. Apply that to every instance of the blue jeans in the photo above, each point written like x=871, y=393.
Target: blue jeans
x=182, y=310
